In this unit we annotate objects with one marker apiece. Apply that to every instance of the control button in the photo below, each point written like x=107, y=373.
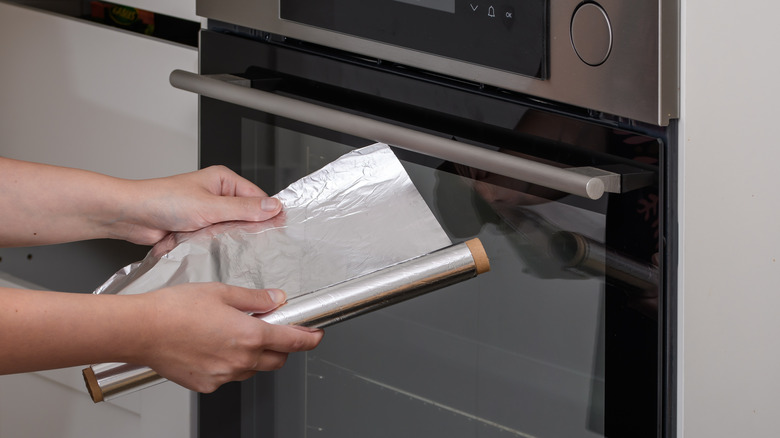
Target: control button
x=591, y=34
x=507, y=14
x=492, y=12
x=474, y=7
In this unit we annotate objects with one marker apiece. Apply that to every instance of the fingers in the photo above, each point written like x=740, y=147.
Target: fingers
x=233, y=185
x=235, y=197
x=253, y=300
x=270, y=361
x=287, y=339
x=245, y=209
x=241, y=186
x=209, y=339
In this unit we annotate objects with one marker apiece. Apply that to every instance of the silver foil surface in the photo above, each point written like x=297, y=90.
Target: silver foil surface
x=336, y=249
x=377, y=289
x=357, y=214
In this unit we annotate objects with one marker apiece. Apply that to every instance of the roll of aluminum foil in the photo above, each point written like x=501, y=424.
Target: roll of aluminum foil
x=327, y=306
x=385, y=287
x=353, y=237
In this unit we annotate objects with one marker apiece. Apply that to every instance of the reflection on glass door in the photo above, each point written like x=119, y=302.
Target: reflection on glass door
x=518, y=352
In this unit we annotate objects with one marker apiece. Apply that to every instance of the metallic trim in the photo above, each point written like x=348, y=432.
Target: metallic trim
x=639, y=80
x=588, y=186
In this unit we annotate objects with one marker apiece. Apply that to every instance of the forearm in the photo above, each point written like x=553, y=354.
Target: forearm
x=45, y=330
x=199, y=335
x=41, y=204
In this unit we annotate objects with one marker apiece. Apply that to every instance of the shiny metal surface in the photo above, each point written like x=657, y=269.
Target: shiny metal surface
x=593, y=258
x=589, y=185
x=110, y=380
x=326, y=233
x=378, y=289
x=591, y=34
x=323, y=308
x=356, y=219
x=639, y=80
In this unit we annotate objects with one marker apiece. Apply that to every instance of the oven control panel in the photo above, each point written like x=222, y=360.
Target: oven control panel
x=616, y=58
x=502, y=34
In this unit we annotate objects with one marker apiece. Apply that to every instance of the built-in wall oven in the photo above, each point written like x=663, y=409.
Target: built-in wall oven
x=546, y=129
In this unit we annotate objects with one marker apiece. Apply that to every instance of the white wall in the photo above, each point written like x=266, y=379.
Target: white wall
x=730, y=217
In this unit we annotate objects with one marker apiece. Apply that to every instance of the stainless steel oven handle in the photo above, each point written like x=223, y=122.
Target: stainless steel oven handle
x=587, y=182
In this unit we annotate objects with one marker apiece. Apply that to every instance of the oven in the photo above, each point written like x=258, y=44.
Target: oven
x=546, y=129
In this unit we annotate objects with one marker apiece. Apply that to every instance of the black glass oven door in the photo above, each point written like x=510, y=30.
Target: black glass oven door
x=563, y=338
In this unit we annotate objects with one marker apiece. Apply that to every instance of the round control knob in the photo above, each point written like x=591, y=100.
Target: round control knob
x=591, y=33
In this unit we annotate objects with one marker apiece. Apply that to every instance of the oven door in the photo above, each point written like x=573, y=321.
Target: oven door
x=563, y=338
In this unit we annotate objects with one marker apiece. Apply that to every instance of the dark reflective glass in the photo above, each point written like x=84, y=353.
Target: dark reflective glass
x=562, y=338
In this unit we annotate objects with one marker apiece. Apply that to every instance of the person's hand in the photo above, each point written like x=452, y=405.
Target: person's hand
x=200, y=335
x=42, y=204
x=189, y=202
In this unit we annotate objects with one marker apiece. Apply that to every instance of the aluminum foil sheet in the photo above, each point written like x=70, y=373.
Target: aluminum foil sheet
x=356, y=216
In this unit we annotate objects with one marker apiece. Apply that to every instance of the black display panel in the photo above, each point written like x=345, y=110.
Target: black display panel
x=506, y=35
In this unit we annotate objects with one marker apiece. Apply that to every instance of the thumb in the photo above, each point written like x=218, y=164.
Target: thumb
x=254, y=300
x=232, y=208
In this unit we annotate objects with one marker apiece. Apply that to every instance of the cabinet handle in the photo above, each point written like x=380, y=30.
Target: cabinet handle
x=590, y=183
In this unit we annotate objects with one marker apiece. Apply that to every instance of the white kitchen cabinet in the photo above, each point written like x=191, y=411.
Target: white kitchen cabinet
x=83, y=95
x=55, y=404
x=77, y=94
x=176, y=8
x=729, y=206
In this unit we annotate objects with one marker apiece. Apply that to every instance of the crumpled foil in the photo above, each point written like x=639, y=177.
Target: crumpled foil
x=353, y=237
x=354, y=216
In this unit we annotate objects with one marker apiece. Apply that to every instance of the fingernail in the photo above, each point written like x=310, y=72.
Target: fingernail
x=269, y=204
x=277, y=296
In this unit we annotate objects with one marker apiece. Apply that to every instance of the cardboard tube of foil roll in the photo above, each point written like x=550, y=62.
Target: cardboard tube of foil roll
x=326, y=306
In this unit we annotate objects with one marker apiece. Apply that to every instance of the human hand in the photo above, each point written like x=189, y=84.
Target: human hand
x=200, y=335
x=188, y=202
